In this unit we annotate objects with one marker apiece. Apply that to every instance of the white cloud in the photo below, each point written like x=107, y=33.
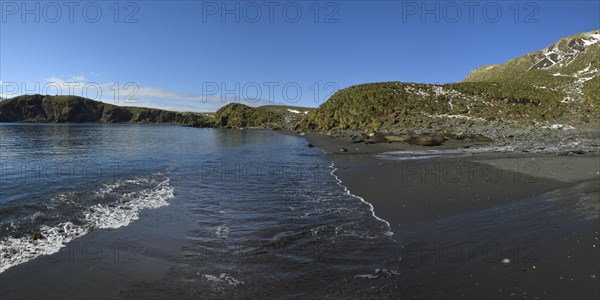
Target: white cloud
x=129, y=93
x=53, y=79
x=77, y=78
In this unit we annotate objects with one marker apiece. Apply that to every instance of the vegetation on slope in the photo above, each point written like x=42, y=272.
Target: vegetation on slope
x=396, y=105
x=559, y=84
x=38, y=108
x=236, y=115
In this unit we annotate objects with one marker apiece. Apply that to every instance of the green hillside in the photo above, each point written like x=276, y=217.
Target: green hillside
x=236, y=115
x=526, y=90
x=571, y=65
x=73, y=109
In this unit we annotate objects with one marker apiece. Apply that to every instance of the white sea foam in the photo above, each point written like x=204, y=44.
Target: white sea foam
x=129, y=206
x=223, y=278
x=452, y=153
x=433, y=153
x=379, y=273
x=366, y=276
x=110, y=187
x=14, y=251
x=222, y=231
x=339, y=182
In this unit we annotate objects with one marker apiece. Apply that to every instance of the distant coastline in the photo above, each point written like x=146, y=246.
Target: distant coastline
x=533, y=103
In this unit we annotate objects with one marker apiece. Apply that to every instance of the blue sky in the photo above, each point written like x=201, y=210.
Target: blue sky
x=196, y=56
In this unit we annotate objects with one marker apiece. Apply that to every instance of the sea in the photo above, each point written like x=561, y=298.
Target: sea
x=262, y=204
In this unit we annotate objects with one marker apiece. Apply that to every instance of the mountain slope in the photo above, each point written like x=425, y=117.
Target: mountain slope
x=571, y=65
x=39, y=108
x=526, y=90
x=388, y=106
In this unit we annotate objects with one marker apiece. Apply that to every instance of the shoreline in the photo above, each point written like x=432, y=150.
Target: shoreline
x=104, y=262
x=442, y=201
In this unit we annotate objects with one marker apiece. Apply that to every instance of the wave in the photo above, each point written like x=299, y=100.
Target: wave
x=128, y=207
x=347, y=191
x=506, y=149
x=446, y=153
x=223, y=278
x=123, y=211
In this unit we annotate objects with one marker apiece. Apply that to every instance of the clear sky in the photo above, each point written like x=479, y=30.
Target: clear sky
x=190, y=55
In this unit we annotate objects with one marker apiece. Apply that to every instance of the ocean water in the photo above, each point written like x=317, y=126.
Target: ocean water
x=256, y=196
x=264, y=216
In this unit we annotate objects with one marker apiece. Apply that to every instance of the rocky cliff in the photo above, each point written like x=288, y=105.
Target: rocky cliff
x=62, y=109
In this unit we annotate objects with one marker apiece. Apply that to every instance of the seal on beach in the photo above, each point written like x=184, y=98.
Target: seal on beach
x=426, y=140
x=376, y=138
x=357, y=139
x=397, y=138
x=37, y=235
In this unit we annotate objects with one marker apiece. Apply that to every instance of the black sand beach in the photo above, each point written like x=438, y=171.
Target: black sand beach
x=103, y=263
x=484, y=226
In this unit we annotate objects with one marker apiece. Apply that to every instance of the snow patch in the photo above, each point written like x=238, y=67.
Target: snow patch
x=593, y=39
x=456, y=117
x=559, y=126
x=584, y=79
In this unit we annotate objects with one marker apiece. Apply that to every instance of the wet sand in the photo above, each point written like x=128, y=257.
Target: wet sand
x=436, y=206
x=103, y=263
